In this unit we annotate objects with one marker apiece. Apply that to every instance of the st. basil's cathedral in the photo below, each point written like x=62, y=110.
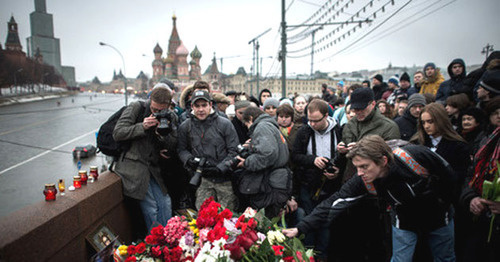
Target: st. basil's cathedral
x=175, y=66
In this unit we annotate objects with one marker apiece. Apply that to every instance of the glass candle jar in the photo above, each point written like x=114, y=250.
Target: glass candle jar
x=77, y=182
x=94, y=172
x=61, y=186
x=83, y=177
x=50, y=192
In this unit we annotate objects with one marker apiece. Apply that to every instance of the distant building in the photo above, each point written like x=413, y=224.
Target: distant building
x=174, y=65
x=20, y=70
x=42, y=38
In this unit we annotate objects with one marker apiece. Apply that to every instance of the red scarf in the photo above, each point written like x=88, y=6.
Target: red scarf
x=487, y=157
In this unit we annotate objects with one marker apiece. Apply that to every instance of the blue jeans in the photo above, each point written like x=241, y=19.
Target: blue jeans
x=156, y=206
x=441, y=242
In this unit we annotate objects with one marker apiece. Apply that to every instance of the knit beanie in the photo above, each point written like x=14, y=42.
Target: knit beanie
x=241, y=104
x=379, y=77
x=430, y=64
x=286, y=101
x=491, y=82
x=404, y=77
x=416, y=99
x=393, y=80
x=271, y=102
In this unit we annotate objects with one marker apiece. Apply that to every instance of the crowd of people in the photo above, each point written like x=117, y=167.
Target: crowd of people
x=373, y=171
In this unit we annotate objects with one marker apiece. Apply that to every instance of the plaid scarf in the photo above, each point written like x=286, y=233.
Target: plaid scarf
x=486, y=160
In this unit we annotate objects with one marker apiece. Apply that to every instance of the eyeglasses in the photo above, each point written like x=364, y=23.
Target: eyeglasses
x=316, y=121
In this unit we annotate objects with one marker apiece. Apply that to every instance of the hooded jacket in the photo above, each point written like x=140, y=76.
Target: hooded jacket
x=454, y=85
x=374, y=124
x=268, y=150
x=418, y=203
x=378, y=90
x=213, y=138
x=431, y=84
x=407, y=125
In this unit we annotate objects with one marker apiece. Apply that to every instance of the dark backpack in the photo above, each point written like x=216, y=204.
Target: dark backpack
x=105, y=142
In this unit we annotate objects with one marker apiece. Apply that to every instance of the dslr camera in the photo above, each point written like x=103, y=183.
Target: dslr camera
x=243, y=152
x=196, y=179
x=330, y=168
x=165, y=119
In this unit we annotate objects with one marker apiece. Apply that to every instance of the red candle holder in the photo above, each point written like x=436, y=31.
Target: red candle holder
x=83, y=177
x=94, y=172
x=77, y=182
x=50, y=192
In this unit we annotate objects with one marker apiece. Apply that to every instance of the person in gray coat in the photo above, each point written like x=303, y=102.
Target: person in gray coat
x=206, y=135
x=266, y=162
x=139, y=166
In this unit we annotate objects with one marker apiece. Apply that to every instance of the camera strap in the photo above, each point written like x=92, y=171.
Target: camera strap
x=332, y=143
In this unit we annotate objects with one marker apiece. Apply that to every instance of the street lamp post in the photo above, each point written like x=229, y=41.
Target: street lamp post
x=124, y=73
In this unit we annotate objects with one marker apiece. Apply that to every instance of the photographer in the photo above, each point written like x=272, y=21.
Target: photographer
x=139, y=166
x=313, y=153
x=266, y=181
x=206, y=142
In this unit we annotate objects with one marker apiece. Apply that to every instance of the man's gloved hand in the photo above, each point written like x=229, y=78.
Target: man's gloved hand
x=211, y=172
x=191, y=163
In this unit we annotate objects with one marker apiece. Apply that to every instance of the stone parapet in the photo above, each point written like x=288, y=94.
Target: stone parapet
x=56, y=231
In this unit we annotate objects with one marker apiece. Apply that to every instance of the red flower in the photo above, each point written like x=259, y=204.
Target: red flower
x=131, y=250
x=278, y=250
x=157, y=231
x=156, y=251
x=311, y=259
x=288, y=259
x=140, y=248
x=217, y=233
x=131, y=259
x=172, y=255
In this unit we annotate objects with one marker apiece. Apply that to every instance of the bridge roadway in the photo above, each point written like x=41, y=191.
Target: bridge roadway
x=37, y=139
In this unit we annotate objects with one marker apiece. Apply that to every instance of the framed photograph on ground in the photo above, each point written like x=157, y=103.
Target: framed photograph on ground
x=101, y=237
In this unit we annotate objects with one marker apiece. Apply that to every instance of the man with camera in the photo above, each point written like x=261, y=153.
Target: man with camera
x=206, y=142
x=139, y=166
x=266, y=181
x=313, y=153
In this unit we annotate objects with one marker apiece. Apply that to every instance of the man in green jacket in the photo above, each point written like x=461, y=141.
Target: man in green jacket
x=368, y=120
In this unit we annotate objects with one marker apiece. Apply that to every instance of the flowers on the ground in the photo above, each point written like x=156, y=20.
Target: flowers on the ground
x=215, y=235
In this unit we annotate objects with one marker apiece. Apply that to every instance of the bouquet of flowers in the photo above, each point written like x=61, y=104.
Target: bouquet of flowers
x=215, y=235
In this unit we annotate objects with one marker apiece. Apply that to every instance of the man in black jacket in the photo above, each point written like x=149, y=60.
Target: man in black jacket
x=454, y=85
x=407, y=123
x=313, y=147
x=415, y=181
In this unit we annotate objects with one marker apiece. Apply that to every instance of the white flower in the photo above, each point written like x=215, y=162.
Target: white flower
x=213, y=252
x=249, y=212
x=275, y=237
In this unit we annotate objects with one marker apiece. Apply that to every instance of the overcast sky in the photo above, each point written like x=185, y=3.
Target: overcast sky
x=421, y=31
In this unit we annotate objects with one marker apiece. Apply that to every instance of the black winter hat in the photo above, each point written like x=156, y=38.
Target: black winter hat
x=475, y=112
x=361, y=97
x=404, y=77
x=491, y=81
x=379, y=77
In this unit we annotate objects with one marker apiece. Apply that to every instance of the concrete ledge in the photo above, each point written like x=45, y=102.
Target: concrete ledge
x=56, y=231
x=23, y=98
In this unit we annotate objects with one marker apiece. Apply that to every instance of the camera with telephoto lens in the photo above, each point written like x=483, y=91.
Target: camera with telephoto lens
x=165, y=119
x=243, y=152
x=196, y=179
